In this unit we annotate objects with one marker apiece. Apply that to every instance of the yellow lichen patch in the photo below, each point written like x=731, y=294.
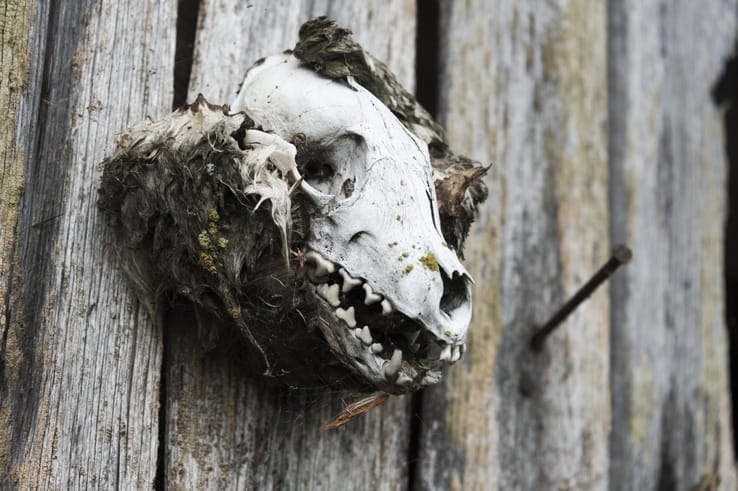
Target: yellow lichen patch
x=235, y=312
x=207, y=261
x=429, y=261
x=204, y=239
x=213, y=215
x=408, y=268
x=222, y=242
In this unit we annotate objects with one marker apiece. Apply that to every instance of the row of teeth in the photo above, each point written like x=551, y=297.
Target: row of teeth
x=391, y=367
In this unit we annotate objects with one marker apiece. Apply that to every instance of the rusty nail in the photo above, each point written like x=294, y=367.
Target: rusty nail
x=621, y=254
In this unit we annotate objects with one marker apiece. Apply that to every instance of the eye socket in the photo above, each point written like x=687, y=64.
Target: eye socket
x=334, y=166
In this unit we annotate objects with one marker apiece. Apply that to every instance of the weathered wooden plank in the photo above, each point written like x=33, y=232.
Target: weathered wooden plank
x=523, y=85
x=671, y=409
x=226, y=430
x=81, y=360
x=22, y=29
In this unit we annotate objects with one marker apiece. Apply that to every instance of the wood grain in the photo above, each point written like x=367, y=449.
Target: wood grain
x=81, y=360
x=598, y=119
x=225, y=430
x=523, y=86
x=671, y=417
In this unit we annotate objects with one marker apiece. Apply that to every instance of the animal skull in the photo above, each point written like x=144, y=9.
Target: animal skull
x=398, y=299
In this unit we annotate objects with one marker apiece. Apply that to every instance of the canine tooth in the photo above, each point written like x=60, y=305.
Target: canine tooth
x=330, y=293
x=392, y=366
x=446, y=353
x=403, y=379
x=347, y=316
x=386, y=307
x=456, y=353
x=376, y=348
x=349, y=283
x=365, y=336
x=412, y=337
x=322, y=265
x=371, y=297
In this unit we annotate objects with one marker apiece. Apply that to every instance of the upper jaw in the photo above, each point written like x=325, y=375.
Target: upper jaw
x=391, y=351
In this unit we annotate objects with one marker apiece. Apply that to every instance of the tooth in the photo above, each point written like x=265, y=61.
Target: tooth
x=446, y=353
x=365, y=335
x=456, y=354
x=322, y=265
x=392, y=366
x=347, y=316
x=431, y=377
x=412, y=336
x=376, y=348
x=386, y=307
x=349, y=283
x=371, y=297
x=403, y=379
x=330, y=293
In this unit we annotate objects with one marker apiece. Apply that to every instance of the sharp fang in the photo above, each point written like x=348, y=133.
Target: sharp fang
x=347, y=316
x=376, y=348
x=403, y=379
x=386, y=307
x=329, y=293
x=349, y=283
x=364, y=335
x=322, y=265
x=392, y=366
x=371, y=297
x=412, y=337
x=446, y=353
x=456, y=354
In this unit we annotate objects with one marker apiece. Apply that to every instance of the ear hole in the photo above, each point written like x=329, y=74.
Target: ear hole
x=347, y=188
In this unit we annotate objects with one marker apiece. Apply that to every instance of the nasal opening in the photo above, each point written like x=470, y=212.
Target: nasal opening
x=455, y=293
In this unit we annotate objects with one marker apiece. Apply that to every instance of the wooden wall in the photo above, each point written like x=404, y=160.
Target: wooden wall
x=598, y=119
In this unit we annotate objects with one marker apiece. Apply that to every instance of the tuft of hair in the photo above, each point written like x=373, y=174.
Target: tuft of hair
x=196, y=212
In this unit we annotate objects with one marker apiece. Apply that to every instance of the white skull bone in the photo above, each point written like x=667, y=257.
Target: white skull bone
x=377, y=218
